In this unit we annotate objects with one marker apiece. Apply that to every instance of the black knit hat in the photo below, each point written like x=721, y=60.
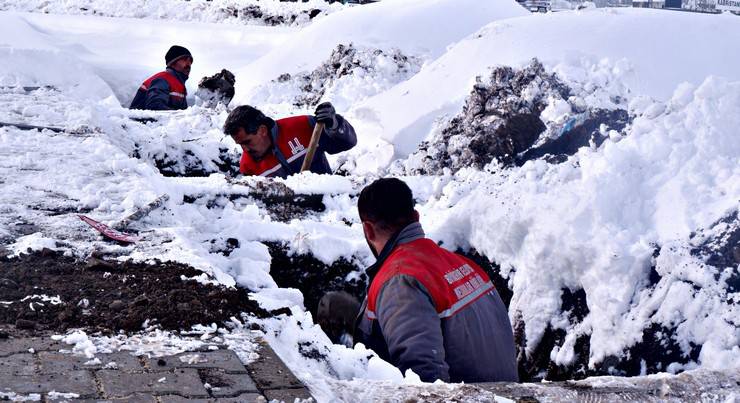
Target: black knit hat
x=176, y=52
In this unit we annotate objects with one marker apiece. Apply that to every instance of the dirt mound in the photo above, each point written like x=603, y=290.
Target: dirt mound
x=215, y=89
x=251, y=13
x=375, y=69
x=504, y=120
x=48, y=291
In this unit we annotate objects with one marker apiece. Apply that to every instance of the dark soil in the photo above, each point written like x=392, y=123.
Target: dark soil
x=719, y=246
x=120, y=296
x=254, y=12
x=215, y=89
x=313, y=277
x=186, y=163
x=501, y=121
x=282, y=203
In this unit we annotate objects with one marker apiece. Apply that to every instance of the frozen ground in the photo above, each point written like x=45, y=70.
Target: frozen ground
x=621, y=257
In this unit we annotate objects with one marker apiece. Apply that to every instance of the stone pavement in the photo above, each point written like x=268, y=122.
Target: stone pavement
x=33, y=368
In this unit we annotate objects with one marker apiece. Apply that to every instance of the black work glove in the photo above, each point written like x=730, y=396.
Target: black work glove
x=326, y=114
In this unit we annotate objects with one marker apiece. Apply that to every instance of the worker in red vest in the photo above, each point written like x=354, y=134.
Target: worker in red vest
x=276, y=148
x=166, y=90
x=427, y=309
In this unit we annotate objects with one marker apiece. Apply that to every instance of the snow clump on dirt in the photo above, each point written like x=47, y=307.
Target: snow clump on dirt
x=350, y=74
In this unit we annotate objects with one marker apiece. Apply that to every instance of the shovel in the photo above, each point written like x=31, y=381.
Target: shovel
x=116, y=233
x=312, y=146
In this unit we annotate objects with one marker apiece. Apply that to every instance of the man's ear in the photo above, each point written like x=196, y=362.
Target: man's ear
x=416, y=216
x=263, y=132
x=369, y=229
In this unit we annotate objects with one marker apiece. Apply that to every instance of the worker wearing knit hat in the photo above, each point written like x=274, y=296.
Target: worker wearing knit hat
x=176, y=53
x=166, y=90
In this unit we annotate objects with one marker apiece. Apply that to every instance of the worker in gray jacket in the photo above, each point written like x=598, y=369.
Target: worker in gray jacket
x=427, y=309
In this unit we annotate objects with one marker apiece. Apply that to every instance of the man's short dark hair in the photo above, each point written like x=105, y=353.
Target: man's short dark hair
x=387, y=202
x=248, y=118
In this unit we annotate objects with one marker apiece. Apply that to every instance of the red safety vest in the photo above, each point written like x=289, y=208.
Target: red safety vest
x=177, y=89
x=293, y=136
x=453, y=281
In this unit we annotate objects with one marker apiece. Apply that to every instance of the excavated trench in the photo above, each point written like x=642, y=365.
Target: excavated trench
x=45, y=291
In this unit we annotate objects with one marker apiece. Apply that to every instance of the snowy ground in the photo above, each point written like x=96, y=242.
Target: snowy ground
x=634, y=225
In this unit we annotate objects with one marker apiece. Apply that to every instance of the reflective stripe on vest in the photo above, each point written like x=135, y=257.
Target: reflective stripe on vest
x=294, y=134
x=452, y=281
x=456, y=307
x=278, y=166
x=177, y=89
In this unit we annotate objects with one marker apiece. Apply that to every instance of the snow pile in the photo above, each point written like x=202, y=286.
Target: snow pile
x=613, y=213
x=519, y=116
x=15, y=397
x=416, y=28
x=82, y=343
x=599, y=43
x=271, y=12
x=351, y=74
x=187, y=143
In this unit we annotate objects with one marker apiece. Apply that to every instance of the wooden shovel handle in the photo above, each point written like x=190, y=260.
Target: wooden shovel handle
x=312, y=146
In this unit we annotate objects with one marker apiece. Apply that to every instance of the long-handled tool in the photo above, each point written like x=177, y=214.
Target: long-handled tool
x=116, y=232
x=109, y=232
x=312, y=146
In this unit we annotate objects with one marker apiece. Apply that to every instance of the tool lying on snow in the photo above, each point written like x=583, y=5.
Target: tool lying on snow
x=142, y=212
x=109, y=232
x=23, y=126
x=82, y=130
x=116, y=233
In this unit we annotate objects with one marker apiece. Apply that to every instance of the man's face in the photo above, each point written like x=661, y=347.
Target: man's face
x=183, y=65
x=257, y=144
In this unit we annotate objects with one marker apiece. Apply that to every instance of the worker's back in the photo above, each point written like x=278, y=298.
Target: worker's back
x=477, y=338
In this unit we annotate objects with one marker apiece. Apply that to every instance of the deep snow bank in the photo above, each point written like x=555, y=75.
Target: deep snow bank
x=416, y=27
x=616, y=223
x=224, y=11
x=650, y=61
x=86, y=61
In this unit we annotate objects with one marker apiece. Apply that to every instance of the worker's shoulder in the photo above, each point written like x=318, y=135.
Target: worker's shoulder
x=295, y=120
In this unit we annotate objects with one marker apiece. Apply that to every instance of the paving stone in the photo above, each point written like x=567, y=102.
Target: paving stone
x=179, y=399
x=183, y=382
x=226, y=385
x=22, y=345
x=79, y=382
x=287, y=395
x=134, y=398
x=269, y=371
x=226, y=360
x=245, y=398
x=55, y=362
x=18, y=365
